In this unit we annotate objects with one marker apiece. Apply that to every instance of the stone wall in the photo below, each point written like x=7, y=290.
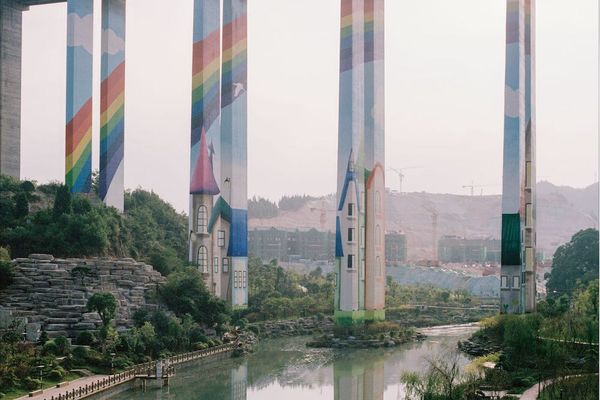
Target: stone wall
x=53, y=292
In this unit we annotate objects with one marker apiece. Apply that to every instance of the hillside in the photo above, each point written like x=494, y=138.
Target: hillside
x=562, y=211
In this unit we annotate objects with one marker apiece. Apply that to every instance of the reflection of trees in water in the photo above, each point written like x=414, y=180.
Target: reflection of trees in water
x=290, y=363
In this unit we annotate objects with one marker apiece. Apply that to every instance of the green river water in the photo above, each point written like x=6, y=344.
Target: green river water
x=284, y=369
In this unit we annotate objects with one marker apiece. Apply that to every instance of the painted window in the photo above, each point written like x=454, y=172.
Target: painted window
x=350, y=235
x=516, y=283
x=202, y=259
x=379, y=266
x=350, y=261
x=216, y=265
x=221, y=239
x=225, y=264
x=202, y=220
x=377, y=201
x=377, y=235
x=504, y=282
x=350, y=209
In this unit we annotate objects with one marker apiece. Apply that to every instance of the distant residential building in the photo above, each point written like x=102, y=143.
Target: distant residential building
x=456, y=249
x=395, y=248
x=310, y=244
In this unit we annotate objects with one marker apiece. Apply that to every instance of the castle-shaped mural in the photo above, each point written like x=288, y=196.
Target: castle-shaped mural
x=218, y=189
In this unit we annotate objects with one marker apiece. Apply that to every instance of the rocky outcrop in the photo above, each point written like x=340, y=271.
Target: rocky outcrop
x=293, y=327
x=53, y=292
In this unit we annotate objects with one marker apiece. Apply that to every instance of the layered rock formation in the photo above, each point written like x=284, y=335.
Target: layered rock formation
x=52, y=293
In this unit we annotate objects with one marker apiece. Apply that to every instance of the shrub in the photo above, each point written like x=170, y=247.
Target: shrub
x=383, y=326
x=50, y=347
x=6, y=273
x=80, y=353
x=254, y=329
x=31, y=384
x=85, y=338
x=56, y=374
x=63, y=346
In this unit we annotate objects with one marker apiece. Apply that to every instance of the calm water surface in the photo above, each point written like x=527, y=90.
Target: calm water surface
x=284, y=369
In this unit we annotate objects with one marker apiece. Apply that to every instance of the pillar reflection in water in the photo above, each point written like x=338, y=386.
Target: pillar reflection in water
x=365, y=381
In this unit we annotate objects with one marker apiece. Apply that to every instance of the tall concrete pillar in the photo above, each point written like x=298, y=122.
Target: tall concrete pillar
x=80, y=37
x=112, y=100
x=10, y=87
x=209, y=215
x=360, y=245
x=517, y=280
x=234, y=175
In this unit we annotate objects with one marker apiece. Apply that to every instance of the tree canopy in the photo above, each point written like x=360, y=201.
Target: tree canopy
x=105, y=305
x=575, y=263
x=50, y=219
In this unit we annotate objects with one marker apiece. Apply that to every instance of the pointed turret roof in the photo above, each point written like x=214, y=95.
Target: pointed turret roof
x=203, y=179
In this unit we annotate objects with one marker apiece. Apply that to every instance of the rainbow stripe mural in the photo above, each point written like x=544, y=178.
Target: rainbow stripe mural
x=518, y=188
x=78, y=140
x=112, y=98
x=360, y=260
x=234, y=85
x=206, y=97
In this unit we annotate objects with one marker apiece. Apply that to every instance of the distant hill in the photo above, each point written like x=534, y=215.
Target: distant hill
x=562, y=211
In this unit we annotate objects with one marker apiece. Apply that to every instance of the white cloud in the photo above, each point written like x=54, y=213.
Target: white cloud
x=80, y=32
x=511, y=102
x=115, y=43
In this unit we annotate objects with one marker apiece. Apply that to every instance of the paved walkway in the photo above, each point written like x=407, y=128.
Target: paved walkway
x=54, y=391
x=533, y=392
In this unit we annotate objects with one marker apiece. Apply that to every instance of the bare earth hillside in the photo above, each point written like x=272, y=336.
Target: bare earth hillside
x=562, y=211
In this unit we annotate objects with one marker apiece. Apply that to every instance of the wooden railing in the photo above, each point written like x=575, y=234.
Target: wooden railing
x=146, y=370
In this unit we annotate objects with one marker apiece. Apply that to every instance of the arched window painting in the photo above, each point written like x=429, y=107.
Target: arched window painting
x=202, y=259
x=202, y=220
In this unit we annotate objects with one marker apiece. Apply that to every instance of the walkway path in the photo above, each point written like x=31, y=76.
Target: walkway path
x=84, y=387
x=533, y=392
x=74, y=384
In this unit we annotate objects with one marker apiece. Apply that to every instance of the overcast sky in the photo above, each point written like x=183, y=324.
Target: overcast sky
x=444, y=94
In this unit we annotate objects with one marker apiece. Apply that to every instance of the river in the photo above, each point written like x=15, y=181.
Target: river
x=284, y=369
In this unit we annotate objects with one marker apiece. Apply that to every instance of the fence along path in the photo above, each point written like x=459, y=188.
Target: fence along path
x=140, y=370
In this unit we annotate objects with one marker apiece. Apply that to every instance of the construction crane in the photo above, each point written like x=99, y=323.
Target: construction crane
x=400, y=172
x=323, y=217
x=472, y=186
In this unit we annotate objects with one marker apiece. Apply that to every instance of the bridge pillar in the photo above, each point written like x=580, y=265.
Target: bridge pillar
x=78, y=140
x=360, y=220
x=518, y=270
x=112, y=100
x=10, y=86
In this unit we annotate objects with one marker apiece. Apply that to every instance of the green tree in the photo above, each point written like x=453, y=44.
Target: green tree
x=185, y=293
x=62, y=201
x=574, y=263
x=105, y=305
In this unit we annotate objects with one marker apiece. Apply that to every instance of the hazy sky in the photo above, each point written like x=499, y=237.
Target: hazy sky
x=444, y=94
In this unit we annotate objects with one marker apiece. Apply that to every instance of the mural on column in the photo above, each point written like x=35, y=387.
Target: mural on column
x=234, y=146
x=78, y=140
x=518, y=196
x=374, y=159
x=218, y=194
x=112, y=94
x=360, y=261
